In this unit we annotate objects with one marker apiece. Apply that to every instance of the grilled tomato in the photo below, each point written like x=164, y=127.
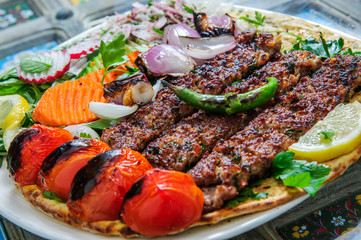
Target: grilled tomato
x=60, y=166
x=29, y=148
x=99, y=187
x=162, y=202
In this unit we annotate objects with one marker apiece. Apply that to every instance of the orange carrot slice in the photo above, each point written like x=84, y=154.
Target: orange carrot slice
x=67, y=103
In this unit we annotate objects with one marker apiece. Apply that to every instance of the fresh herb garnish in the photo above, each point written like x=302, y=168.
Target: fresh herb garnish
x=150, y=3
x=113, y=54
x=52, y=196
x=257, y=21
x=85, y=135
x=349, y=51
x=245, y=194
x=188, y=9
x=297, y=173
x=158, y=31
x=131, y=71
x=101, y=124
x=321, y=48
x=36, y=63
x=327, y=135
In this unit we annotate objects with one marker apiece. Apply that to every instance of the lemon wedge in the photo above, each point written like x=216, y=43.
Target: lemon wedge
x=12, y=112
x=339, y=133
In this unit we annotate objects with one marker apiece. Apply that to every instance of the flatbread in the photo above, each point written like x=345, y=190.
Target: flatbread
x=278, y=194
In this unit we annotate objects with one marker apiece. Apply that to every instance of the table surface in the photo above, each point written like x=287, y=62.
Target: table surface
x=340, y=194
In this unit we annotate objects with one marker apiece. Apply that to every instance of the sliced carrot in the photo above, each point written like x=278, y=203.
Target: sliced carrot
x=67, y=103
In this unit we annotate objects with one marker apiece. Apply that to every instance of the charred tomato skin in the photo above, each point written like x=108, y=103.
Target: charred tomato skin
x=29, y=148
x=99, y=187
x=59, y=167
x=162, y=202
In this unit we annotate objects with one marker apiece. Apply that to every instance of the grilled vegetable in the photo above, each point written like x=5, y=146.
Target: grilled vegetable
x=29, y=148
x=129, y=92
x=98, y=188
x=228, y=103
x=59, y=168
x=213, y=26
x=162, y=202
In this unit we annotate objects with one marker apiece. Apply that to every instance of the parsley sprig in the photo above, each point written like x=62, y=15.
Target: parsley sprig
x=296, y=173
x=321, y=48
x=113, y=54
x=257, y=21
x=327, y=135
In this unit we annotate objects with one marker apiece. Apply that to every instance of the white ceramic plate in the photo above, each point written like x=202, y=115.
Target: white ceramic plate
x=15, y=208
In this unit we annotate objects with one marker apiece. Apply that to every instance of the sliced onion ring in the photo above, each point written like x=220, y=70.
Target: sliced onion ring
x=111, y=110
x=206, y=48
x=77, y=130
x=173, y=32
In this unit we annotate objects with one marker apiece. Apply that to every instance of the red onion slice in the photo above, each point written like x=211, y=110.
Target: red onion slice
x=173, y=32
x=206, y=48
x=166, y=59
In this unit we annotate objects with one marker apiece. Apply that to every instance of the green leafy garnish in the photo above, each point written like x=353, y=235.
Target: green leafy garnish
x=244, y=195
x=113, y=54
x=296, y=173
x=150, y=2
x=188, y=9
x=158, y=31
x=349, y=51
x=101, y=124
x=131, y=71
x=327, y=135
x=321, y=48
x=36, y=63
x=52, y=196
x=257, y=21
x=85, y=135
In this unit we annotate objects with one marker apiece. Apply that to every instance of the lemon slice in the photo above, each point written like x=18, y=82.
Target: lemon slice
x=12, y=112
x=344, y=123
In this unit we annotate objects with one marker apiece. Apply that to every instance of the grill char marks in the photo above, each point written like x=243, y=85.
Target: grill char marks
x=185, y=143
x=249, y=153
x=137, y=130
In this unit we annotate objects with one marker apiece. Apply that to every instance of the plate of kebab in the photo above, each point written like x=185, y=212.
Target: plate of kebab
x=176, y=121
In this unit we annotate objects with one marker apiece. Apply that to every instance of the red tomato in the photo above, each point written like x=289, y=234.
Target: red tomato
x=162, y=202
x=30, y=147
x=59, y=168
x=99, y=187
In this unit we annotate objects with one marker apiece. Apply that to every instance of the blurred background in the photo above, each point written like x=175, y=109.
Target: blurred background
x=29, y=26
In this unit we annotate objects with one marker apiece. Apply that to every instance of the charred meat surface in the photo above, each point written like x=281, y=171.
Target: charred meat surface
x=137, y=130
x=249, y=153
x=185, y=143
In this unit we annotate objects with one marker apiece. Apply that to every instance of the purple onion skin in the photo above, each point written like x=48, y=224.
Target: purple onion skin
x=173, y=32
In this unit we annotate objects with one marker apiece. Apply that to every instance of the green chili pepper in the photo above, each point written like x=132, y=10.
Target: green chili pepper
x=229, y=103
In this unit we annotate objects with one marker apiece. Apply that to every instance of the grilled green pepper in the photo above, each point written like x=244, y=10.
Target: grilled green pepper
x=229, y=103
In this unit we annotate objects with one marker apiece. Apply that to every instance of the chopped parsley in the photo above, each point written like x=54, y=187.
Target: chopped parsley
x=52, y=196
x=245, y=194
x=158, y=31
x=188, y=9
x=327, y=135
x=85, y=135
